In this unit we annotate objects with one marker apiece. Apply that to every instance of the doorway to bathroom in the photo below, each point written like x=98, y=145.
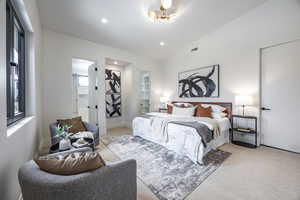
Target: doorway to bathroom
x=83, y=81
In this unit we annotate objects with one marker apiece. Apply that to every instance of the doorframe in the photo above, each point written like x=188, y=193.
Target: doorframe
x=260, y=88
x=130, y=63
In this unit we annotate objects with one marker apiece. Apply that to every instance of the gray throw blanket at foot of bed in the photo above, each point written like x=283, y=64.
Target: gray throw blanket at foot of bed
x=204, y=132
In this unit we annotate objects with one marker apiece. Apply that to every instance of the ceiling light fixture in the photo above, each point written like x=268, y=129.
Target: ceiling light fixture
x=104, y=20
x=165, y=12
x=162, y=44
x=116, y=63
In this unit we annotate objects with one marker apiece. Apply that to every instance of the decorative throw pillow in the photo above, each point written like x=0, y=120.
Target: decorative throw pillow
x=169, y=109
x=183, y=105
x=203, y=112
x=71, y=164
x=179, y=104
x=186, y=112
x=215, y=108
x=76, y=124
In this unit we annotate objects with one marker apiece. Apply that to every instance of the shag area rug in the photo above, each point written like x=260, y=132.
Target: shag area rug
x=169, y=176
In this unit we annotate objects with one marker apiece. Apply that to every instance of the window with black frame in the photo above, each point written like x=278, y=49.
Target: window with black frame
x=15, y=70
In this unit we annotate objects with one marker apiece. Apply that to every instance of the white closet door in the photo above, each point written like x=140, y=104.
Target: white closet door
x=93, y=111
x=281, y=94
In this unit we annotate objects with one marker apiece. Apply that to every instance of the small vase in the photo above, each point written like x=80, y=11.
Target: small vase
x=64, y=144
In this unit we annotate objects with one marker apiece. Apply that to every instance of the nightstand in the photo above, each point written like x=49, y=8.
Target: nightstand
x=244, y=129
x=163, y=110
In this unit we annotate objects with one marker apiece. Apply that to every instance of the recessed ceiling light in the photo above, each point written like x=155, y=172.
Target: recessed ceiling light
x=162, y=44
x=104, y=20
x=116, y=63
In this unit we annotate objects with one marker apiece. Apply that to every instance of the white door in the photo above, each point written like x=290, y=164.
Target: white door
x=281, y=94
x=93, y=94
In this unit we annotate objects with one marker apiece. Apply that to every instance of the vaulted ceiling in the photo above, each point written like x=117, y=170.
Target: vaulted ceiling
x=129, y=28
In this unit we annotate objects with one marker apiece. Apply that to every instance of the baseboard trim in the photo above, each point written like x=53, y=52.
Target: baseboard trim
x=280, y=149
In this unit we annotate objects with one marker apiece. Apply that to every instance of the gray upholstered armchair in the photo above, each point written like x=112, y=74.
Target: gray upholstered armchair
x=116, y=181
x=90, y=127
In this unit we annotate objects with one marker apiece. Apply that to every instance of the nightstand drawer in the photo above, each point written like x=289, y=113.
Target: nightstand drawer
x=163, y=110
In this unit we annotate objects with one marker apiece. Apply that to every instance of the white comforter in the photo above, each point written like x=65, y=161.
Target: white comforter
x=182, y=139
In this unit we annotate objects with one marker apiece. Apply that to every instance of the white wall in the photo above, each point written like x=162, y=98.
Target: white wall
x=236, y=46
x=22, y=143
x=59, y=49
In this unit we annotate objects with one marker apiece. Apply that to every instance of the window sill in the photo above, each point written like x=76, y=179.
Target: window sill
x=18, y=125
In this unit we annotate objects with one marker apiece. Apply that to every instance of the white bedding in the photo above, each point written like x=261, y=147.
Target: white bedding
x=182, y=139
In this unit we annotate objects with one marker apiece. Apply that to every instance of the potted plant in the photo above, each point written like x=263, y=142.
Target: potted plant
x=62, y=132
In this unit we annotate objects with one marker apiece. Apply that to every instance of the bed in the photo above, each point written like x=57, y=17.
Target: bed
x=182, y=138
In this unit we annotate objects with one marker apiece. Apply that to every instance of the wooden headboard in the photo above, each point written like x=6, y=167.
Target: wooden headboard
x=226, y=105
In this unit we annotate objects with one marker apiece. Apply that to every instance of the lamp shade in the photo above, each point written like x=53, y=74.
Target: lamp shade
x=243, y=100
x=166, y=4
x=163, y=99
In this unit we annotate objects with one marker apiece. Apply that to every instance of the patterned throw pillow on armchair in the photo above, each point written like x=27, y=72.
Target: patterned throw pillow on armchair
x=76, y=124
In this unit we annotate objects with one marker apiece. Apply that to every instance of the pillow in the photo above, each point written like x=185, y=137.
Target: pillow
x=187, y=112
x=71, y=164
x=179, y=104
x=76, y=124
x=215, y=108
x=219, y=115
x=169, y=109
x=203, y=112
x=183, y=105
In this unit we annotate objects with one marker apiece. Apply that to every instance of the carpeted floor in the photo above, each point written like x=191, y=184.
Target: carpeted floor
x=248, y=174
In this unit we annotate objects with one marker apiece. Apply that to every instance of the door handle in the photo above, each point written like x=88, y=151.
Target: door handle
x=13, y=64
x=264, y=108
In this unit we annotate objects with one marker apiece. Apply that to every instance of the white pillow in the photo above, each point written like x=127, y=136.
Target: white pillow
x=187, y=112
x=218, y=115
x=185, y=105
x=215, y=108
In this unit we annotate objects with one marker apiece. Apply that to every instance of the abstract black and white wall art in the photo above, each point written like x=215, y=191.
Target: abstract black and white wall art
x=112, y=81
x=201, y=82
x=113, y=105
x=113, y=93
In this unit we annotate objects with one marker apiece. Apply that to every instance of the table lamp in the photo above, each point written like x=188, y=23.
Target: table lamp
x=243, y=100
x=163, y=100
